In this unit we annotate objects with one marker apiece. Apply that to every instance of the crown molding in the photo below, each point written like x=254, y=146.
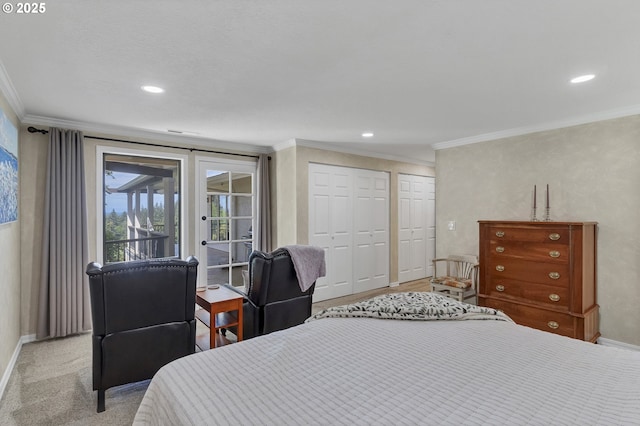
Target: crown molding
x=10, y=93
x=130, y=132
x=284, y=145
x=553, y=125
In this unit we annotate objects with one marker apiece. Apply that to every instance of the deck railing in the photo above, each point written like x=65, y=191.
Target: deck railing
x=135, y=248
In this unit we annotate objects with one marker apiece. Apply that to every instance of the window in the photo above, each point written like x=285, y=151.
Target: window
x=142, y=214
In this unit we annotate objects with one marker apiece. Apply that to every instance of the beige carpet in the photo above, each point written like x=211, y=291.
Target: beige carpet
x=51, y=383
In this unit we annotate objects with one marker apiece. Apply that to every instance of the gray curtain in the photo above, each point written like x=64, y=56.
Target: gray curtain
x=263, y=234
x=64, y=293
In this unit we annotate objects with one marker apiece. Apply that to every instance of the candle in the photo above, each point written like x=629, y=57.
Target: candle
x=547, y=195
x=534, y=196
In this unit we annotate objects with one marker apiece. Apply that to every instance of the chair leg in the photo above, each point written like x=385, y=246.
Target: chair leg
x=100, y=400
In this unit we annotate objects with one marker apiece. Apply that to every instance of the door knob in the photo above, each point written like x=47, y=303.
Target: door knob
x=204, y=243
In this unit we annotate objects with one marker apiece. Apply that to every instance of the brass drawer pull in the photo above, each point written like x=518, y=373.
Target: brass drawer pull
x=554, y=253
x=499, y=268
x=554, y=237
x=553, y=324
x=500, y=234
x=554, y=297
x=554, y=275
x=500, y=287
x=500, y=249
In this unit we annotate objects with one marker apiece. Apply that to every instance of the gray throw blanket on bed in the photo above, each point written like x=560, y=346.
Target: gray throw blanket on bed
x=412, y=306
x=309, y=264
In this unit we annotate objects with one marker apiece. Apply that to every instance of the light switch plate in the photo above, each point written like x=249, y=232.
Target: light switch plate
x=451, y=225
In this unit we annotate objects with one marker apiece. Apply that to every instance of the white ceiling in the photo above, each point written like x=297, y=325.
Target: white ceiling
x=263, y=72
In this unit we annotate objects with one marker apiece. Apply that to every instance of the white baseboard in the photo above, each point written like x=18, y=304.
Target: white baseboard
x=29, y=338
x=394, y=284
x=614, y=343
x=12, y=362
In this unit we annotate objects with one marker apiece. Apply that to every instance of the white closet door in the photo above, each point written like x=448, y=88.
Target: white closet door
x=330, y=227
x=349, y=219
x=431, y=224
x=371, y=230
x=416, y=222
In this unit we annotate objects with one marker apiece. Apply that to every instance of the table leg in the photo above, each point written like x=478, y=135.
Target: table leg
x=213, y=331
x=240, y=326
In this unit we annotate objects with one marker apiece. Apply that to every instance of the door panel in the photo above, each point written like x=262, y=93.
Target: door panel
x=372, y=238
x=416, y=233
x=227, y=216
x=330, y=228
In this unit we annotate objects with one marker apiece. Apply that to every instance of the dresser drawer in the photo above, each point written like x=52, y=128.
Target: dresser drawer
x=533, y=272
x=541, y=319
x=557, y=235
x=539, y=252
x=552, y=296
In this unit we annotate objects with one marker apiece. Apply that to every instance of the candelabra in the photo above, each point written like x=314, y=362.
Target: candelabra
x=547, y=217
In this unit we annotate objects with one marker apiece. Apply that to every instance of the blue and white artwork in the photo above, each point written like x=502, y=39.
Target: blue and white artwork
x=8, y=170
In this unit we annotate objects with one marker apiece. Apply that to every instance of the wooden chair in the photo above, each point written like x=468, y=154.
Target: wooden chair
x=457, y=276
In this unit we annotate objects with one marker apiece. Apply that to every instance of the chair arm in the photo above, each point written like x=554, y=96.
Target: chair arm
x=242, y=293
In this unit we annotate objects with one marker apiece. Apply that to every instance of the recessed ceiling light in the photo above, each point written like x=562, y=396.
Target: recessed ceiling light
x=367, y=135
x=153, y=89
x=583, y=78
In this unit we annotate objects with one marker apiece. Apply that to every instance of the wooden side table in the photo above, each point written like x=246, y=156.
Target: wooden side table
x=225, y=307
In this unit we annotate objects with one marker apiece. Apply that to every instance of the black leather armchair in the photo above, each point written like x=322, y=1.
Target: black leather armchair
x=143, y=318
x=273, y=299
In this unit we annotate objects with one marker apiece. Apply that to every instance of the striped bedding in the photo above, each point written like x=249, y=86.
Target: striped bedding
x=352, y=371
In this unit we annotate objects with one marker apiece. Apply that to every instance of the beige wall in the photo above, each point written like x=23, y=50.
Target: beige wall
x=10, y=270
x=593, y=171
x=293, y=222
x=283, y=211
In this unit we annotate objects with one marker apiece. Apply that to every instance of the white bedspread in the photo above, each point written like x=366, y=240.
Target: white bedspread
x=346, y=371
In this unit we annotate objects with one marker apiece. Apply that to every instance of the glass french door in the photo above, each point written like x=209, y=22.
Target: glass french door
x=227, y=220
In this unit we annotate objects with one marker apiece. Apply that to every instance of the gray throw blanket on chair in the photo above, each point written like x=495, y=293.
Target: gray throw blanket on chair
x=309, y=264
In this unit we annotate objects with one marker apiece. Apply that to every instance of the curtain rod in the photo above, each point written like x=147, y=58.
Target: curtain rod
x=32, y=129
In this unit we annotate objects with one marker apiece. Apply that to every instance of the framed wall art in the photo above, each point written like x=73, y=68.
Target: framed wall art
x=8, y=170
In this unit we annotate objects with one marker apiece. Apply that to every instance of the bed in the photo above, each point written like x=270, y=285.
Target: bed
x=413, y=358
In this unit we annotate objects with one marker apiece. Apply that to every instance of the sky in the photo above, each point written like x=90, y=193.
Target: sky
x=117, y=201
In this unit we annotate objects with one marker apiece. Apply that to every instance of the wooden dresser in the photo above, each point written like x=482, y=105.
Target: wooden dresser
x=541, y=274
